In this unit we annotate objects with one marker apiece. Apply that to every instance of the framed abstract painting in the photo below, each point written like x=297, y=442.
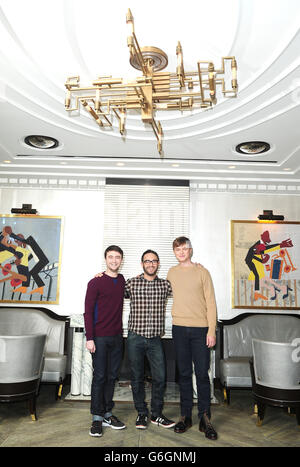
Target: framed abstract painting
x=30, y=258
x=265, y=259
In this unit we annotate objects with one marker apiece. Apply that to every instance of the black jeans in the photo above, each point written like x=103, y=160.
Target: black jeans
x=106, y=363
x=138, y=347
x=190, y=347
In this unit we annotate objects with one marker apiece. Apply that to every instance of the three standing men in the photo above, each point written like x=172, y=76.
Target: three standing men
x=194, y=322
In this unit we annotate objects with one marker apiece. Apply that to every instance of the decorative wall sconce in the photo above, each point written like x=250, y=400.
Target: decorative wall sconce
x=269, y=216
x=25, y=209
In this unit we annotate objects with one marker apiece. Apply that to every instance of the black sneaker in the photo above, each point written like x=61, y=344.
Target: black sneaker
x=141, y=422
x=114, y=423
x=162, y=421
x=96, y=428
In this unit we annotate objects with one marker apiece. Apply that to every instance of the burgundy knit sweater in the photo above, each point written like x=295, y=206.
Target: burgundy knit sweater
x=104, y=306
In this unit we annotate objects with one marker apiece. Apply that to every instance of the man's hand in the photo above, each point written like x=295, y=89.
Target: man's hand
x=100, y=274
x=90, y=345
x=210, y=341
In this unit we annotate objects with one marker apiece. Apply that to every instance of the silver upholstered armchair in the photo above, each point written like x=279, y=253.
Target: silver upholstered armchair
x=21, y=361
x=31, y=320
x=275, y=371
x=235, y=344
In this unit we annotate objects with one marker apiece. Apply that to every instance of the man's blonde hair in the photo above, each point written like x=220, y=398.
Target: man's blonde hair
x=181, y=241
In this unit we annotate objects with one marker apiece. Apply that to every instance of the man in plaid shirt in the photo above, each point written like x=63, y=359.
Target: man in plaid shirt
x=148, y=296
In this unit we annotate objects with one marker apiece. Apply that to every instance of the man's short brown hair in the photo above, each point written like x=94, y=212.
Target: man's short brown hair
x=113, y=248
x=181, y=241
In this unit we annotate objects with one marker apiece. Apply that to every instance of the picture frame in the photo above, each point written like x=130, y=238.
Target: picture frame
x=265, y=264
x=30, y=258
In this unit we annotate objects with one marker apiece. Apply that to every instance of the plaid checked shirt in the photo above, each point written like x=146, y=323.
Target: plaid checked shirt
x=147, y=305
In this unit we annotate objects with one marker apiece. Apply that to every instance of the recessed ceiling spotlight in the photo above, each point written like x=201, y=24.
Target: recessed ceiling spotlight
x=287, y=168
x=120, y=164
x=175, y=165
x=231, y=167
x=7, y=162
x=41, y=142
x=252, y=148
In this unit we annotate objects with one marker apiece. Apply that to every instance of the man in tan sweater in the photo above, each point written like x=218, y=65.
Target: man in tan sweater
x=194, y=325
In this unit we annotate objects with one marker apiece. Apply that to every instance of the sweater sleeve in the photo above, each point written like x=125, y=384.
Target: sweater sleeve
x=127, y=290
x=169, y=289
x=211, y=306
x=89, y=307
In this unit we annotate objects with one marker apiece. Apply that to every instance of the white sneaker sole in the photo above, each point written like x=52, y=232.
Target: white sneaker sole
x=95, y=435
x=114, y=427
x=163, y=426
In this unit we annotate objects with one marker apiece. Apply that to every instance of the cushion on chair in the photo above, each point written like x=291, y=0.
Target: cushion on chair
x=54, y=367
x=235, y=371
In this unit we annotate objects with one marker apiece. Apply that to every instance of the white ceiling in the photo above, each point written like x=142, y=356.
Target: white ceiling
x=44, y=42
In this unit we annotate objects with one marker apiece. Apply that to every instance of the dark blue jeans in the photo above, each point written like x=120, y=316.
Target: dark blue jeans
x=138, y=347
x=190, y=347
x=106, y=363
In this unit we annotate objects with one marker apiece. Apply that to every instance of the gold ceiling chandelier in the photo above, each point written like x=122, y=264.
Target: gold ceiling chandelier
x=154, y=90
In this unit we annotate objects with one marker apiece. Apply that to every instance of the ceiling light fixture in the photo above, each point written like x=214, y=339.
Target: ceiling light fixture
x=252, y=148
x=154, y=90
x=41, y=142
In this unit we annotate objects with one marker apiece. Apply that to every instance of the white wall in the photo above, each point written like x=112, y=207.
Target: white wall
x=82, y=247
x=83, y=213
x=210, y=232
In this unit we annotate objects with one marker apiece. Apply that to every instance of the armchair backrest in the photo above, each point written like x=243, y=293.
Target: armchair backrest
x=22, y=321
x=237, y=337
x=276, y=364
x=21, y=357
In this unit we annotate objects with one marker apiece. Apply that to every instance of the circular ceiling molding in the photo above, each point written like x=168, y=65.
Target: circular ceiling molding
x=252, y=148
x=41, y=142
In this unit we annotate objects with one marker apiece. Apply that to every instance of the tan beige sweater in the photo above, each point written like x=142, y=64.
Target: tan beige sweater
x=194, y=301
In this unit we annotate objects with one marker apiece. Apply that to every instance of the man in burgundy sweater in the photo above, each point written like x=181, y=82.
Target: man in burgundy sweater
x=103, y=327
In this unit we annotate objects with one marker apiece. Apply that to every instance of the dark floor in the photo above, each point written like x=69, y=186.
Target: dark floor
x=66, y=423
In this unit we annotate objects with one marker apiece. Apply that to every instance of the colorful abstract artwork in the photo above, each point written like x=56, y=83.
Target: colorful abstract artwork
x=30, y=258
x=265, y=264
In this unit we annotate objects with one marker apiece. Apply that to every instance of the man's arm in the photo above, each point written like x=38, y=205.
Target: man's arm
x=211, y=307
x=127, y=289
x=89, y=306
x=169, y=289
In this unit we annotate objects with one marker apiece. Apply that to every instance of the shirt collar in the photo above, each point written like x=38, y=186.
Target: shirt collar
x=143, y=278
